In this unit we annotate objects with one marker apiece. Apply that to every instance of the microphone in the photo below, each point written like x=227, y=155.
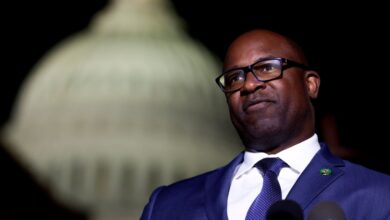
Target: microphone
x=285, y=210
x=326, y=210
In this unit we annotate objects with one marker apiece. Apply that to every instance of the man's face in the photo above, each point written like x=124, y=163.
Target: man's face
x=274, y=114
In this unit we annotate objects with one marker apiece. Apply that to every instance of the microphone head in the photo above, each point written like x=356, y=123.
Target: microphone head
x=326, y=210
x=285, y=210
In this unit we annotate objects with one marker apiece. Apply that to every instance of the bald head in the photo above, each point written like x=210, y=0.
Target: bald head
x=270, y=43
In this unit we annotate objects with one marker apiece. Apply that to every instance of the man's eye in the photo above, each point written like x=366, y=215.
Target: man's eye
x=265, y=67
x=234, y=77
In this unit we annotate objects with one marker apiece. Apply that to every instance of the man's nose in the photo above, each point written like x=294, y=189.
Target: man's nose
x=251, y=84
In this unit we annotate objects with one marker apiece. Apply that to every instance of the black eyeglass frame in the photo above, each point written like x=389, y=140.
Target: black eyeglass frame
x=285, y=64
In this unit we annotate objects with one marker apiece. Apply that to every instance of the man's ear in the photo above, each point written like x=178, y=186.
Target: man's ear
x=312, y=80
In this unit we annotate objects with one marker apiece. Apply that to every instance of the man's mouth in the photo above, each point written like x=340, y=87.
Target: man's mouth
x=256, y=104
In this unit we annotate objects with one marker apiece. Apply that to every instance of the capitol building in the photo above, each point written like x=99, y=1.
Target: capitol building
x=124, y=106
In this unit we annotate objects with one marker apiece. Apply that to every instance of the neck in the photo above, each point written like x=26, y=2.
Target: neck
x=273, y=148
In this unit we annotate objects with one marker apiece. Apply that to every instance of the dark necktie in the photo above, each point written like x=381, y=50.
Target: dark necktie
x=271, y=192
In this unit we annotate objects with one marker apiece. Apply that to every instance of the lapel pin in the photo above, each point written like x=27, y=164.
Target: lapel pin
x=325, y=171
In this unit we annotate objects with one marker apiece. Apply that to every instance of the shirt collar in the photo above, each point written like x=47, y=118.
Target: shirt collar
x=297, y=157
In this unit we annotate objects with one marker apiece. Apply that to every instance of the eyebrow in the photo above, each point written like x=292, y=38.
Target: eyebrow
x=240, y=67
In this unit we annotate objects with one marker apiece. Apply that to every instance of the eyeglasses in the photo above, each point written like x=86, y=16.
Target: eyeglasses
x=264, y=70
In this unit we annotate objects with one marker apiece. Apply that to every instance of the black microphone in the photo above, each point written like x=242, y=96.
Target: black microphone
x=326, y=210
x=285, y=210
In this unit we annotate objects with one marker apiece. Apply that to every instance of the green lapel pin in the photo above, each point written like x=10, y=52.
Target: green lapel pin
x=326, y=171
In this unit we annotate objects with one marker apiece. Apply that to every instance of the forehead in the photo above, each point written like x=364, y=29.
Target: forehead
x=255, y=45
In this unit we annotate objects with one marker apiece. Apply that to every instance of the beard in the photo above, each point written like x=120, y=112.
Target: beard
x=274, y=127
x=262, y=135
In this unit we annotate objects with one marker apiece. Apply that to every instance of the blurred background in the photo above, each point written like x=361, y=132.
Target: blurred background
x=102, y=99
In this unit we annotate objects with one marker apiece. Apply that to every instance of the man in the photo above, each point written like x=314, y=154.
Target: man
x=269, y=89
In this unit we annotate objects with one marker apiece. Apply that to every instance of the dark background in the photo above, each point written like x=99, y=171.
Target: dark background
x=347, y=44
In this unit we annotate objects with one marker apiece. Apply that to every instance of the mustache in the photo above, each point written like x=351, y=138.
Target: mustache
x=255, y=99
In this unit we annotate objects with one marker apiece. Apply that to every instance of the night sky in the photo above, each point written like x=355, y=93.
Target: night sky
x=345, y=43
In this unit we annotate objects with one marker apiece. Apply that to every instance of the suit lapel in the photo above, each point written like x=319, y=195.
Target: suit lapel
x=312, y=182
x=217, y=187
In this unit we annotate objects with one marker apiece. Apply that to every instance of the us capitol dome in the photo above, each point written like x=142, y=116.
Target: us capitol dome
x=120, y=108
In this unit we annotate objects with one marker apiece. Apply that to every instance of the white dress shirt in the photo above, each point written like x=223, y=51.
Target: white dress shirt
x=247, y=180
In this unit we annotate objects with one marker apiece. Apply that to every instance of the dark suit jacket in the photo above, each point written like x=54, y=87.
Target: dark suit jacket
x=360, y=192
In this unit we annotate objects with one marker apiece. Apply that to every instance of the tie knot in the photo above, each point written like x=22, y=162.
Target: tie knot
x=271, y=164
